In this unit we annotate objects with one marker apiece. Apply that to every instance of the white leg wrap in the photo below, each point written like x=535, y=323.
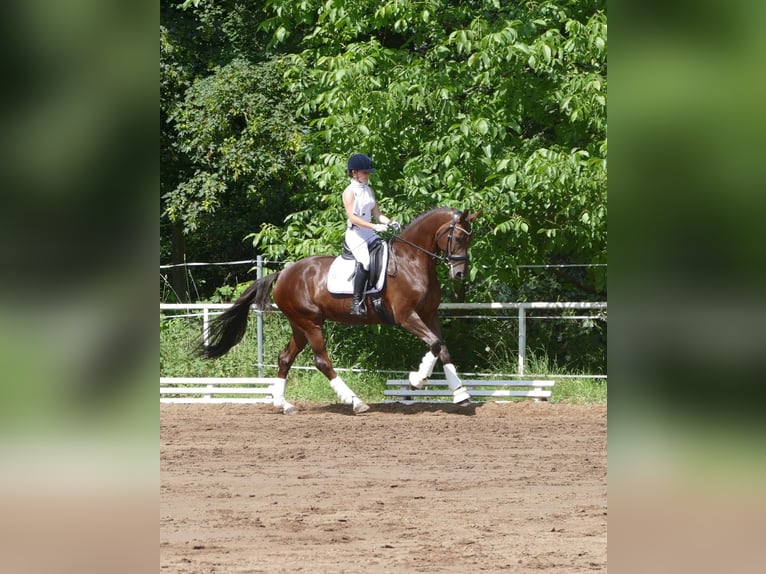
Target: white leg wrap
x=424, y=371
x=278, y=396
x=278, y=392
x=345, y=394
x=459, y=392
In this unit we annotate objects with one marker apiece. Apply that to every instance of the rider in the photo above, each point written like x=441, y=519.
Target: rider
x=360, y=204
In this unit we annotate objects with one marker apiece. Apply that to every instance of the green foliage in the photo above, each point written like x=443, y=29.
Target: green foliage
x=178, y=338
x=497, y=108
x=492, y=106
x=476, y=346
x=229, y=136
x=240, y=137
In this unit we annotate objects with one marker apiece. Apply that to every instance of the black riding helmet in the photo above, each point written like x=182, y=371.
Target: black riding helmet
x=360, y=162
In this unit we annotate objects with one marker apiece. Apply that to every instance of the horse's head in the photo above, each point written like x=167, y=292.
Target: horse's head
x=453, y=239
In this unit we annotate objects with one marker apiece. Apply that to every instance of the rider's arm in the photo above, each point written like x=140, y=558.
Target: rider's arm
x=379, y=216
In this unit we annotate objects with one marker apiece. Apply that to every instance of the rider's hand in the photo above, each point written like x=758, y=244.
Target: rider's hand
x=380, y=227
x=395, y=225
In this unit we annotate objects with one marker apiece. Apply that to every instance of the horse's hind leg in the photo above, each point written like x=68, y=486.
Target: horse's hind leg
x=322, y=362
x=286, y=358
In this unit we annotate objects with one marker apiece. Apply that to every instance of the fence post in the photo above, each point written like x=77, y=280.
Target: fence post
x=522, y=339
x=206, y=337
x=259, y=321
x=205, y=327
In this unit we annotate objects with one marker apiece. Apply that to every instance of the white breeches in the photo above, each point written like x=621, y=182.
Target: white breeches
x=357, y=240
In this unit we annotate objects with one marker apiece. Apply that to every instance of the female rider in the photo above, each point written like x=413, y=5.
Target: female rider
x=361, y=207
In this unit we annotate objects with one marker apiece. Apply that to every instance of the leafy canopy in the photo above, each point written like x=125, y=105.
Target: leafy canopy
x=495, y=107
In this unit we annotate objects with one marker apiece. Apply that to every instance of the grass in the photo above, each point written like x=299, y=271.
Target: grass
x=570, y=389
x=178, y=337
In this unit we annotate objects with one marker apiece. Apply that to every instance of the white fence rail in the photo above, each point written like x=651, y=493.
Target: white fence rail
x=216, y=390
x=521, y=308
x=437, y=391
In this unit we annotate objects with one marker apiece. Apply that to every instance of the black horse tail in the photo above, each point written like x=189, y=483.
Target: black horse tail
x=227, y=329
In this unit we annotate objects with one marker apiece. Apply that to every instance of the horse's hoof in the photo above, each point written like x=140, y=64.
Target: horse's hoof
x=461, y=396
x=360, y=406
x=464, y=403
x=416, y=382
x=289, y=409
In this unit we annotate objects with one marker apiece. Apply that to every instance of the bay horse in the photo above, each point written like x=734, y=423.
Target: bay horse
x=411, y=298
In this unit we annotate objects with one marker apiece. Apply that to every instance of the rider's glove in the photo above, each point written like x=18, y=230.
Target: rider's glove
x=380, y=227
x=395, y=225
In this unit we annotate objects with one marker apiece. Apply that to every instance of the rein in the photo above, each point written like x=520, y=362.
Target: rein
x=448, y=257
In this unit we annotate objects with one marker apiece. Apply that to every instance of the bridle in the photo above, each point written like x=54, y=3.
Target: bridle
x=449, y=258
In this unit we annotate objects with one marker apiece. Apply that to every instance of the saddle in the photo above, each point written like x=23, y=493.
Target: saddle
x=340, y=277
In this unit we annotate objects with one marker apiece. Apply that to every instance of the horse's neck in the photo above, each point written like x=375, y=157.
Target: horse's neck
x=425, y=234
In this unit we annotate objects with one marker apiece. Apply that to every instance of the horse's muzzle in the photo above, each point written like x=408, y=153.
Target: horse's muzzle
x=459, y=270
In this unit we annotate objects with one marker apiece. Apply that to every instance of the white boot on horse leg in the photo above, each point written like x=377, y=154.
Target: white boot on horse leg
x=459, y=392
x=347, y=396
x=278, y=397
x=420, y=377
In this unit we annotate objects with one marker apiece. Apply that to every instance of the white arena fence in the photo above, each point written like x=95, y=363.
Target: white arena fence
x=216, y=390
x=437, y=391
x=258, y=389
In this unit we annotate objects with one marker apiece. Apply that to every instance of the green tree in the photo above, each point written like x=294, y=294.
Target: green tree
x=229, y=134
x=481, y=104
x=478, y=104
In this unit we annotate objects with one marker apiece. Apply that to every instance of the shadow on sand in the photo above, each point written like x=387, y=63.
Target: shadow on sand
x=393, y=408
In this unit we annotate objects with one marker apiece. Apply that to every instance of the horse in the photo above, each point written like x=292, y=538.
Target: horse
x=411, y=296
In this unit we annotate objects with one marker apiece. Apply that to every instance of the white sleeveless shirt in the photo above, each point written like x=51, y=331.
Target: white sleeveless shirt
x=364, y=201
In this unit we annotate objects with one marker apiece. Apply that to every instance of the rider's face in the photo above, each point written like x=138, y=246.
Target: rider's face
x=362, y=176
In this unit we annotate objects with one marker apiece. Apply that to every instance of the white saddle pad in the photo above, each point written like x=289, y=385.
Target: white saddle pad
x=341, y=273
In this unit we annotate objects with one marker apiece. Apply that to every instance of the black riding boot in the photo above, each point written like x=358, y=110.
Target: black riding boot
x=360, y=282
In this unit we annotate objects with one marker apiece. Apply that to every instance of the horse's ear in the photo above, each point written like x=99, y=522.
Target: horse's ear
x=469, y=218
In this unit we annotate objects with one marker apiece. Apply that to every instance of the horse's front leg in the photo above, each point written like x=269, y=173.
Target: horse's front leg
x=437, y=350
x=420, y=377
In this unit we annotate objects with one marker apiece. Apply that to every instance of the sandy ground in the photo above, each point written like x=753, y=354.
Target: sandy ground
x=518, y=487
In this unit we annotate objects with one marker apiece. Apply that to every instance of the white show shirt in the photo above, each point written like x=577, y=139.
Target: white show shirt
x=357, y=237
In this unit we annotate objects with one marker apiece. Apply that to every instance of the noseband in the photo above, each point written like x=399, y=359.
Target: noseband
x=448, y=257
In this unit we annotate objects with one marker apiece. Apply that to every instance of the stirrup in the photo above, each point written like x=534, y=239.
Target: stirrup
x=359, y=309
